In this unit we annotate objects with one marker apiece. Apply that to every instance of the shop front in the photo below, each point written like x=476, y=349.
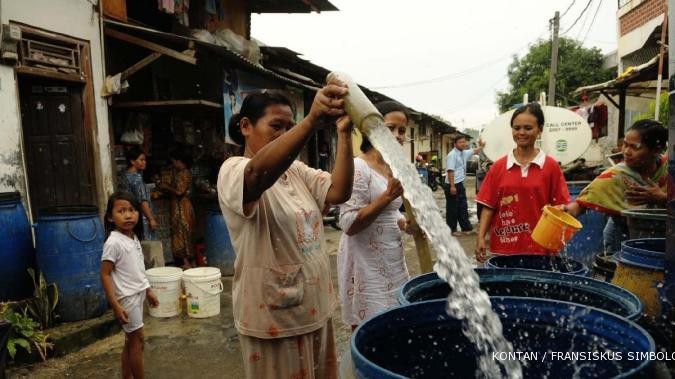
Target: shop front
x=176, y=96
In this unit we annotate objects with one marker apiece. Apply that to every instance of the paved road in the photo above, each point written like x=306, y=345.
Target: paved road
x=181, y=347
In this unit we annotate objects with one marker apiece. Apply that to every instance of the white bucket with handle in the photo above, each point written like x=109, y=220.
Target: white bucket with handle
x=203, y=288
x=166, y=284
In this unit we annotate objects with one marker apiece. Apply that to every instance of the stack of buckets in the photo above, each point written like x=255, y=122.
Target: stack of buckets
x=202, y=289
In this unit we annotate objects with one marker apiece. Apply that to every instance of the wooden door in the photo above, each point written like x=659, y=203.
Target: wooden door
x=116, y=9
x=58, y=168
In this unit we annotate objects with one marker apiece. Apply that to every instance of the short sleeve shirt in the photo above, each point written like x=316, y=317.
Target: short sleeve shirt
x=456, y=162
x=282, y=282
x=133, y=182
x=517, y=195
x=126, y=254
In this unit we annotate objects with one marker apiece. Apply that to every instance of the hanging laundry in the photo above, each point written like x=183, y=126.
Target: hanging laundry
x=597, y=119
x=166, y=6
x=182, y=8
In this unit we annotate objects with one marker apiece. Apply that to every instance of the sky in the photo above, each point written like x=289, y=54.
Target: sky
x=442, y=57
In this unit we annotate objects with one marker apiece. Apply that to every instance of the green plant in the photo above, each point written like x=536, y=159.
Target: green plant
x=664, y=111
x=26, y=333
x=44, y=301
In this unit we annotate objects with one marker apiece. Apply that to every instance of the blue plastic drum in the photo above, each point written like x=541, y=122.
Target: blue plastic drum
x=533, y=284
x=69, y=247
x=420, y=340
x=17, y=253
x=587, y=242
x=554, y=263
x=219, y=250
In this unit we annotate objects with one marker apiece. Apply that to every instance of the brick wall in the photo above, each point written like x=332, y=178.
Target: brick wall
x=644, y=12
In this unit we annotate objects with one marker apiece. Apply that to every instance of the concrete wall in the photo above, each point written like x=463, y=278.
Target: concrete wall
x=636, y=23
x=637, y=12
x=73, y=18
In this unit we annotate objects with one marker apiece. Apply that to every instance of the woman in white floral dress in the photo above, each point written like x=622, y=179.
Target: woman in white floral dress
x=371, y=263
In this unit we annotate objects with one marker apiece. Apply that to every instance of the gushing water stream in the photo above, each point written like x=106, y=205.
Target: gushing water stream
x=466, y=300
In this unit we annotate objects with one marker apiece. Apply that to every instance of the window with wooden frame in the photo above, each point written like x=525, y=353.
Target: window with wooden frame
x=56, y=55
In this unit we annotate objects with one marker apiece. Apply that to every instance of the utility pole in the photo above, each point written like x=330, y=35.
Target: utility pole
x=554, y=59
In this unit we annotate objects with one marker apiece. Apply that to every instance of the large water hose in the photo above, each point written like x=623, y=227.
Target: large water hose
x=365, y=117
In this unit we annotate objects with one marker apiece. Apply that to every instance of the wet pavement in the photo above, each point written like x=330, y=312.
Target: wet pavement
x=182, y=347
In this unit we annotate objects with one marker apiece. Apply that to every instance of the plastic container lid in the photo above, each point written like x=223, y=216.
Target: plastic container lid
x=164, y=274
x=648, y=214
x=69, y=210
x=201, y=274
x=647, y=253
x=9, y=196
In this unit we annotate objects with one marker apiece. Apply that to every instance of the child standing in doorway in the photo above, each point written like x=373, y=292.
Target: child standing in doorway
x=123, y=276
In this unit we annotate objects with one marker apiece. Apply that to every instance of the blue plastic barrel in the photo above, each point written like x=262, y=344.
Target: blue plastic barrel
x=587, y=242
x=420, y=340
x=533, y=284
x=640, y=270
x=219, y=250
x=69, y=245
x=17, y=253
x=553, y=263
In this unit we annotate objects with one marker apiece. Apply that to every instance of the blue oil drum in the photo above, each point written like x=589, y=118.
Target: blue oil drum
x=17, y=253
x=219, y=250
x=554, y=263
x=533, y=284
x=69, y=245
x=587, y=242
x=420, y=340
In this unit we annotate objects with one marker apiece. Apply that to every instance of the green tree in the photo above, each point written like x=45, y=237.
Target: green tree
x=577, y=66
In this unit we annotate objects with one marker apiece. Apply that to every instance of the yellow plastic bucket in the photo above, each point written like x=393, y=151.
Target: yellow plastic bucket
x=554, y=229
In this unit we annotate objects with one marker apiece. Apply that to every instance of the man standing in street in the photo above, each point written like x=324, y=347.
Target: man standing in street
x=456, y=207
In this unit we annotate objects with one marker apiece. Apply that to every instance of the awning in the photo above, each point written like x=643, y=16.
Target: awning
x=291, y=6
x=231, y=56
x=629, y=80
x=639, y=37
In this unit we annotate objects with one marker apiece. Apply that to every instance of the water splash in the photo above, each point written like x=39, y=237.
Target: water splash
x=466, y=300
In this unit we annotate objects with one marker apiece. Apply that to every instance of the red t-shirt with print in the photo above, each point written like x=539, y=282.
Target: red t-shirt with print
x=518, y=202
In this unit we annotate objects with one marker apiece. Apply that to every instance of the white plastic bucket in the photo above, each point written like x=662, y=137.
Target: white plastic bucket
x=166, y=284
x=203, y=288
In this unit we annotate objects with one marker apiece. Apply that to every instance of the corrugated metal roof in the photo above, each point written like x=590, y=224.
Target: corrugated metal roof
x=291, y=6
x=642, y=73
x=220, y=50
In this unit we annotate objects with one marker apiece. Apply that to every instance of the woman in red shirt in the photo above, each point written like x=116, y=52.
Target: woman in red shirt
x=516, y=189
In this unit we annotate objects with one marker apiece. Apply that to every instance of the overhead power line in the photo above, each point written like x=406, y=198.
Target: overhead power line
x=445, y=77
x=455, y=75
x=583, y=23
x=568, y=9
x=482, y=94
x=577, y=20
x=592, y=22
